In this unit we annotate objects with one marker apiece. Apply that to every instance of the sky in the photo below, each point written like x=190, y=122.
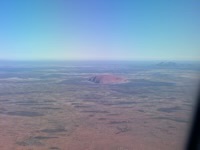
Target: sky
x=99, y=30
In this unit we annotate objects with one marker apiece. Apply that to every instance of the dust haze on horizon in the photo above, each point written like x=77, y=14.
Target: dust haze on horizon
x=99, y=30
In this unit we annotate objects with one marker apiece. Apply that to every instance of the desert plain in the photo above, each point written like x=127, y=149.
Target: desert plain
x=73, y=106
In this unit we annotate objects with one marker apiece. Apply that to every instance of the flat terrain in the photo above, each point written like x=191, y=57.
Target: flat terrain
x=53, y=106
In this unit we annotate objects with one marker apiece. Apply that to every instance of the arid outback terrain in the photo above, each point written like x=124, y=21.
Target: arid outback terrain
x=96, y=105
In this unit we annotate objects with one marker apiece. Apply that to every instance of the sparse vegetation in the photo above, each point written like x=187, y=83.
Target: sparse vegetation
x=44, y=106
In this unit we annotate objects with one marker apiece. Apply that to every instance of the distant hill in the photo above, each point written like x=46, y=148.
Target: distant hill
x=107, y=79
x=166, y=64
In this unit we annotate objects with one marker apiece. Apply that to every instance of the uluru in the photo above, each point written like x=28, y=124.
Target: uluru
x=107, y=79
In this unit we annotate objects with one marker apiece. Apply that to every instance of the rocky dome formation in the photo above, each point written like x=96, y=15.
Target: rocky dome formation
x=167, y=64
x=107, y=79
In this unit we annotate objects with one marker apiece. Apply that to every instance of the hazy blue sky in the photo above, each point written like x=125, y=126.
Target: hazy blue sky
x=100, y=29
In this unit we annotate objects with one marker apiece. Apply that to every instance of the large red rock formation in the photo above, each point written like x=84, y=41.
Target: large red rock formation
x=107, y=79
